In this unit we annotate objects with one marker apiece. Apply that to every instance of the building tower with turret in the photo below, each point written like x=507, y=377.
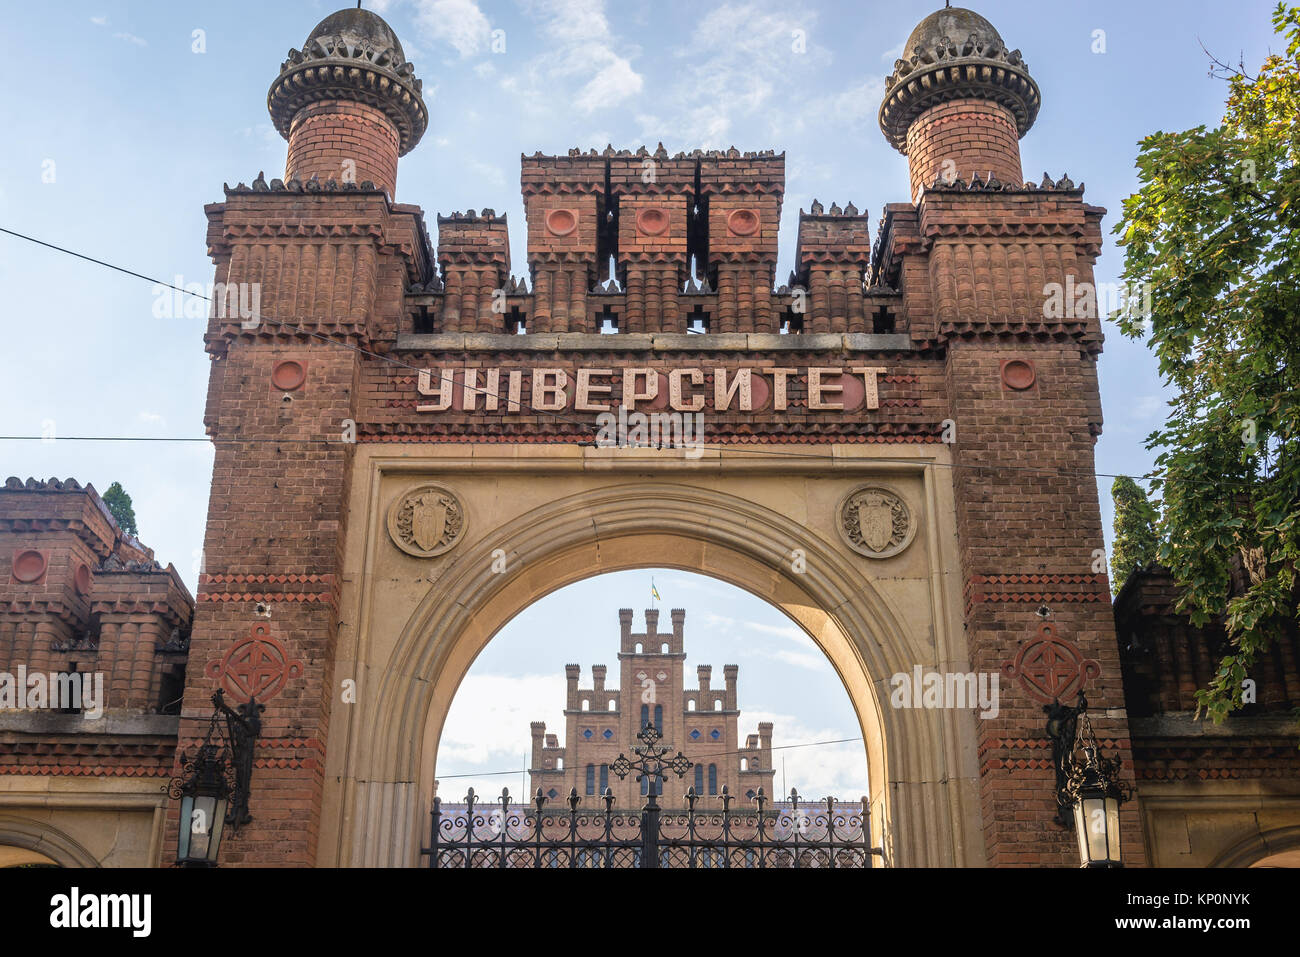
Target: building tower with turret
x=331, y=254
x=602, y=722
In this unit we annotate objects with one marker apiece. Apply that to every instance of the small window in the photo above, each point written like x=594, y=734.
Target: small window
x=637, y=648
x=613, y=705
x=713, y=779
x=645, y=716
x=608, y=324
x=659, y=718
x=699, y=779
x=690, y=704
x=717, y=704
x=664, y=648
x=604, y=778
x=591, y=779
x=586, y=704
x=744, y=764
x=559, y=764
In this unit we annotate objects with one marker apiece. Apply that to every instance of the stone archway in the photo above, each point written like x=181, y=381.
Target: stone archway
x=925, y=810
x=43, y=840
x=1279, y=847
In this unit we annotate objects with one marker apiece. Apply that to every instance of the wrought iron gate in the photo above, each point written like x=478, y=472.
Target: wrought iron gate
x=825, y=834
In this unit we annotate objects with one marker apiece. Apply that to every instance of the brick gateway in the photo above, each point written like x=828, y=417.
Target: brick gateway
x=899, y=440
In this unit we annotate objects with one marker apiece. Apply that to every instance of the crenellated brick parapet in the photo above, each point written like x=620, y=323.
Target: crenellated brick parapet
x=833, y=254
x=474, y=257
x=77, y=594
x=295, y=265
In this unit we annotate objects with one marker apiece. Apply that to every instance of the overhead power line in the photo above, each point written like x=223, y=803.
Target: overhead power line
x=450, y=380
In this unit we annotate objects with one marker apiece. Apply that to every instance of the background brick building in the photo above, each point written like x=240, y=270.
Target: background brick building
x=602, y=722
x=79, y=596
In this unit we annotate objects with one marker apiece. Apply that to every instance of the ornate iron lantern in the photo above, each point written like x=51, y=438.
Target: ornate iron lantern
x=213, y=786
x=1088, y=788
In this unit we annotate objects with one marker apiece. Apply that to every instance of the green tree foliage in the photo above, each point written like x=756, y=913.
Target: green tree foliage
x=1215, y=229
x=119, y=504
x=1136, y=539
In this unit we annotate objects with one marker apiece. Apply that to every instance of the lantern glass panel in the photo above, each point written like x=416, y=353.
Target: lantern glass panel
x=183, y=842
x=1094, y=815
x=1112, y=828
x=206, y=817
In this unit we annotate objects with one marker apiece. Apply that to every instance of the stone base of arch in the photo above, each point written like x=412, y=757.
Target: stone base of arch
x=82, y=822
x=539, y=518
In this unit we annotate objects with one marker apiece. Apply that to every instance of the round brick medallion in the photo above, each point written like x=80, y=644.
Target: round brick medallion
x=651, y=222
x=29, y=566
x=742, y=222
x=81, y=579
x=875, y=522
x=426, y=521
x=288, y=375
x=561, y=222
x=1018, y=374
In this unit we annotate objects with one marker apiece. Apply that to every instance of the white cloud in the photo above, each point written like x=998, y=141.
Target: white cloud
x=131, y=38
x=152, y=418
x=99, y=21
x=614, y=83
x=457, y=23
x=583, y=65
x=488, y=728
x=820, y=771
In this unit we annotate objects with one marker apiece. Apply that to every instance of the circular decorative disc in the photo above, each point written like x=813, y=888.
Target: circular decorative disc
x=81, y=579
x=875, y=522
x=29, y=566
x=288, y=375
x=651, y=222
x=1018, y=374
x=561, y=222
x=742, y=222
x=426, y=521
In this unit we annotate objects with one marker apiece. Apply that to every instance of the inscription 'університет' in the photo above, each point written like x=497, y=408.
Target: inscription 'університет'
x=828, y=388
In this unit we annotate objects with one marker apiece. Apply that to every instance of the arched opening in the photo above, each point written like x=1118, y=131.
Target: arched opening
x=28, y=842
x=23, y=857
x=388, y=771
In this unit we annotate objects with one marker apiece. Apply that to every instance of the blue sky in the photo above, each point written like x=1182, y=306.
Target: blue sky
x=119, y=133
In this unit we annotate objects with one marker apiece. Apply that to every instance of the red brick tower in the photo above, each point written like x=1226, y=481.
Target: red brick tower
x=977, y=260
x=959, y=101
x=329, y=256
x=348, y=103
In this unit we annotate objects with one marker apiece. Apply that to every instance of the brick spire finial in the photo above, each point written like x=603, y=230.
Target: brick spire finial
x=349, y=102
x=958, y=101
